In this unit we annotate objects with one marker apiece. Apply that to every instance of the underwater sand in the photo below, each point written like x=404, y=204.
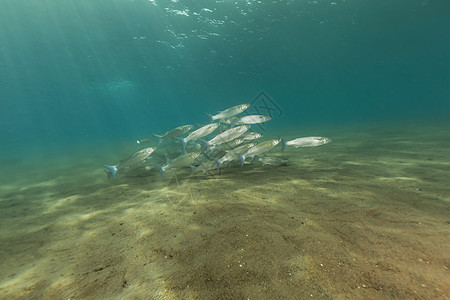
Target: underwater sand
x=365, y=217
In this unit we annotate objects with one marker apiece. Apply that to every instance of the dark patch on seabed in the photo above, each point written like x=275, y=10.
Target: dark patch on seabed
x=364, y=217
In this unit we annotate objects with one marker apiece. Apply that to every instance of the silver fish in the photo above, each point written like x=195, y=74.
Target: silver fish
x=179, y=162
x=243, y=148
x=234, y=154
x=230, y=121
x=205, y=167
x=259, y=148
x=230, y=112
x=254, y=119
x=176, y=132
x=251, y=135
x=311, y=141
x=272, y=160
x=197, y=134
x=201, y=132
x=228, y=135
x=131, y=162
x=229, y=145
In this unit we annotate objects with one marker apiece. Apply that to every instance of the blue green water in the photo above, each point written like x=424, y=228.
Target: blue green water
x=83, y=72
x=363, y=217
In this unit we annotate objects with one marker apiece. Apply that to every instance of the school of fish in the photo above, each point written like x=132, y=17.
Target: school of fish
x=227, y=139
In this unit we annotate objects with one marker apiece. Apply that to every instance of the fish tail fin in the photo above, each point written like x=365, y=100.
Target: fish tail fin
x=210, y=117
x=205, y=144
x=161, y=169
x=112, y=170
x=207, y=156
x=283, y=145
x=183, y=145
x=242, y=158
x=159, y=137
x=219, y=163
x=234, y=123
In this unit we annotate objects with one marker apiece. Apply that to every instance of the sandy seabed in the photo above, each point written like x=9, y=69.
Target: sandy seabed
x=365, y=217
